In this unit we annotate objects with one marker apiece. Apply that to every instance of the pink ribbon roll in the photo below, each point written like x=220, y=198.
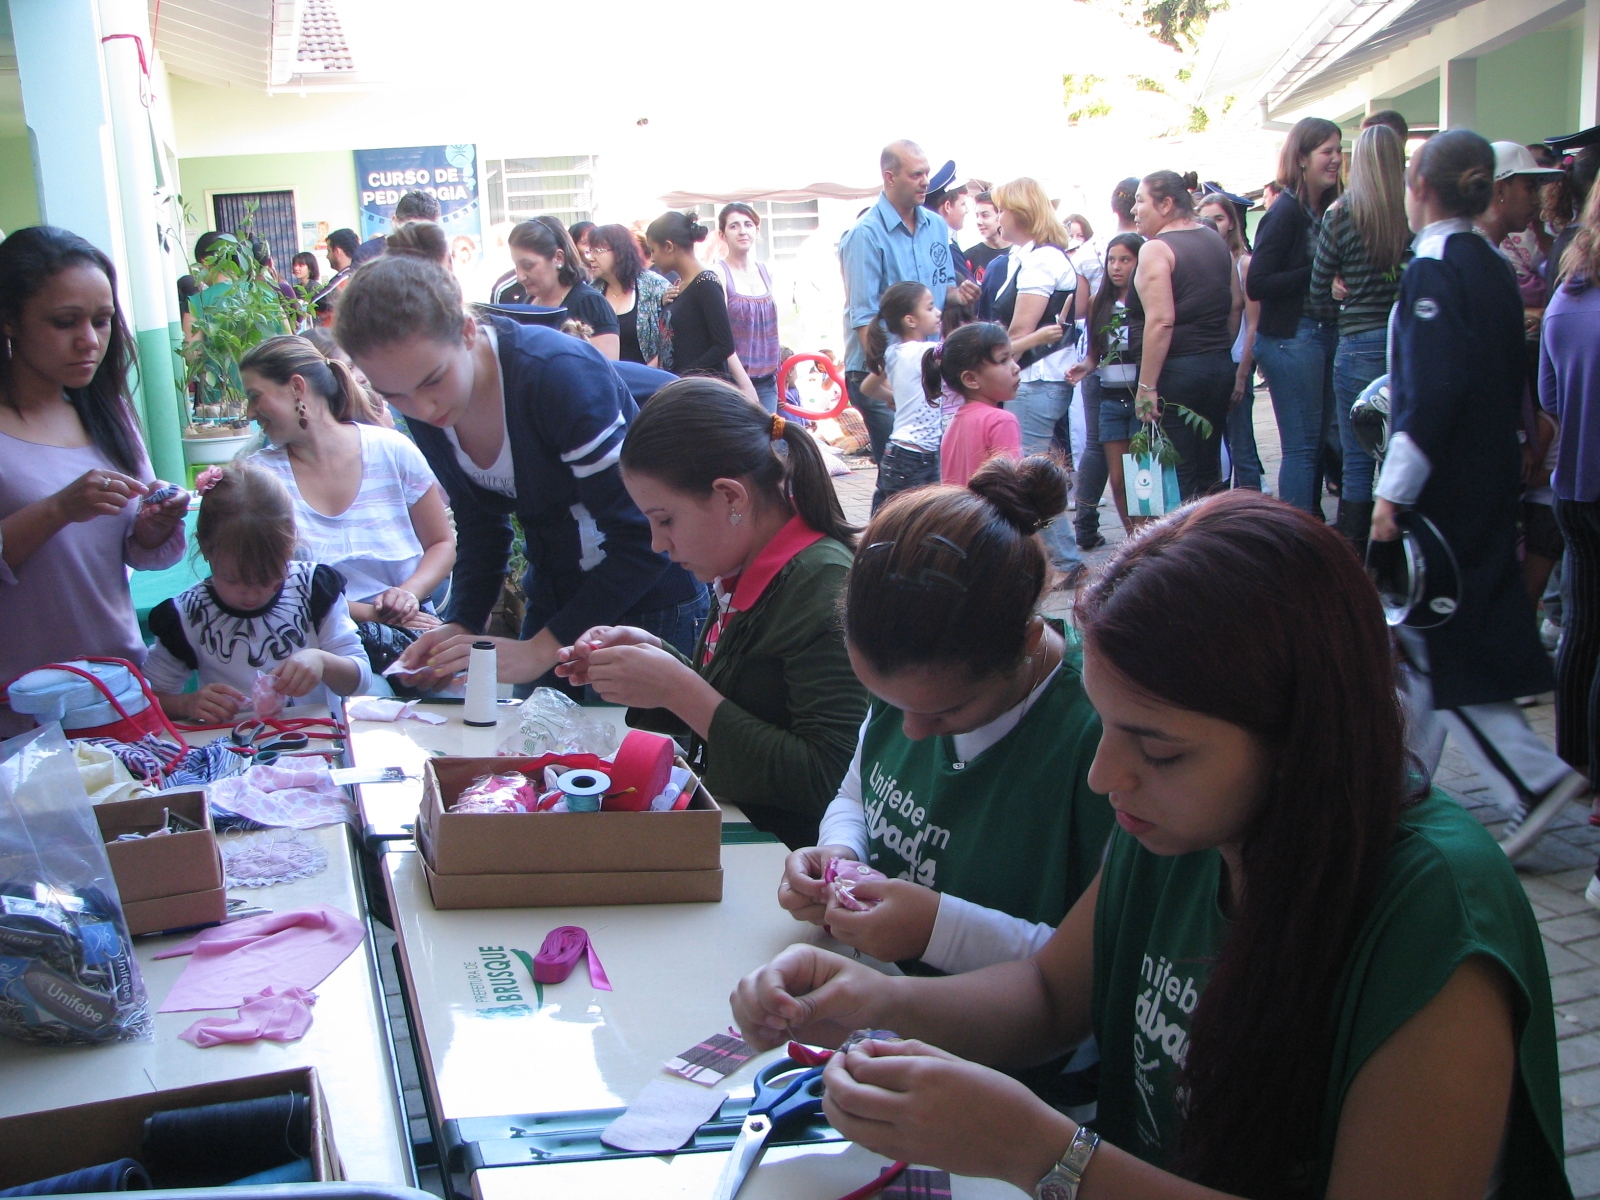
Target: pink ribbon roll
x=560, y=953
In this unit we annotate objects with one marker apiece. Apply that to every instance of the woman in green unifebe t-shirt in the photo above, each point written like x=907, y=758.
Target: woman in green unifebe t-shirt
x=1303, y=980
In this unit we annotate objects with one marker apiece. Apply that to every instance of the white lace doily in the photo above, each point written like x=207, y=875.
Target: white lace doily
x=262, y=859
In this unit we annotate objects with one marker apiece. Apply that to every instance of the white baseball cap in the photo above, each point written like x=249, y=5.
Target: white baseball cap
x=1513, y=158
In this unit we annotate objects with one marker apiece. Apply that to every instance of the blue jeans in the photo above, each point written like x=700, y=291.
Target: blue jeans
x=1299, y=373
x=1361, y=358
x=1040, y=403
x=767, y=388
x=1092, y=469
x=1242, y=450
x=904, y=467
x=879, y=417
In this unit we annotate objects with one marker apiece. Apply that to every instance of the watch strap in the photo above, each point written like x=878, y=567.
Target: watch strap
x=1067, y=1175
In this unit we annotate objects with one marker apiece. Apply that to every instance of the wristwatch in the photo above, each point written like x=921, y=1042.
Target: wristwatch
x=1065, y=1177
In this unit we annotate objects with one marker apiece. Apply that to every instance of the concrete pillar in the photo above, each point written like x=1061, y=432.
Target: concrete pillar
x=1458, y=94
x=1589, y=83
x=149, y=273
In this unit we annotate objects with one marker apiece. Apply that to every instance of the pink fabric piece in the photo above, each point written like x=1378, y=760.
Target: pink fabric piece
x=293, y=793
x=265, y=699
x=231, y=962
x=844, y=874
x=276, y=1016
x=562, y=948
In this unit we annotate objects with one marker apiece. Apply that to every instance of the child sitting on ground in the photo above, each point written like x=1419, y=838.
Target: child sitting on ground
x=976, y=362
x=259, y=612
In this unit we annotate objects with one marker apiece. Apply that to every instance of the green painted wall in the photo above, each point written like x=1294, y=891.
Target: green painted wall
x=1528, y=91
x=1419, y=106
x=19, y=202
x=324, y=184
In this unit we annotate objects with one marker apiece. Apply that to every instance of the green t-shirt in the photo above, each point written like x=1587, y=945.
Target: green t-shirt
x=1016, y=829
x=1448, y=894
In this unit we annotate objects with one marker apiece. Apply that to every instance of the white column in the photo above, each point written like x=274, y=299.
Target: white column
x=1589, y=84
x=1458, y=94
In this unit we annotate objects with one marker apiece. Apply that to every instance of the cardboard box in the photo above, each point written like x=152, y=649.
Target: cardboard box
x=562, y=890
x=169, y=882
x=560, y=843
x=44, y=1144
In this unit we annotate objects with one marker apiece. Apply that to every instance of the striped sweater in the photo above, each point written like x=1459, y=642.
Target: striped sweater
x=1341, y=254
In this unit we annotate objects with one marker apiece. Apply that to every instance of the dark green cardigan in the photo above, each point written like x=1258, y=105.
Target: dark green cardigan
x=783, y=737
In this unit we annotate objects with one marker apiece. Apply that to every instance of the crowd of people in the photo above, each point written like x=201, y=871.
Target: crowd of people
x=1168, y=875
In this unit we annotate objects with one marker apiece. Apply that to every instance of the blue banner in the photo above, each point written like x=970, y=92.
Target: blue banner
x=449, y=173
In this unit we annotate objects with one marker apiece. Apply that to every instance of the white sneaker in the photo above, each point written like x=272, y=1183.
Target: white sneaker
x=1520, y=836
x=1592, y=892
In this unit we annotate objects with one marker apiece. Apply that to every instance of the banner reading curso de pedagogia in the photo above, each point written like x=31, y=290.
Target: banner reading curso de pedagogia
x=447, y=172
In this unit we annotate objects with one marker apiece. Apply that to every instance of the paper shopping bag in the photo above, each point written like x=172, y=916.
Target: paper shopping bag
x=1152, y=488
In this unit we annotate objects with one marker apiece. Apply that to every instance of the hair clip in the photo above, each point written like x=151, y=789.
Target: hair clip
x=775, y=427
x=207, y=479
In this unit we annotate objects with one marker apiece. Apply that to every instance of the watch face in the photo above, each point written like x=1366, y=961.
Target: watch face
x=1054, y=1188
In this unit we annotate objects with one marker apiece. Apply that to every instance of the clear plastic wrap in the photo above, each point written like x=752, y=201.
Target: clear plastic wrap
x=551, y=722
x=266, y=701
x=67, y=970
x=842, y=875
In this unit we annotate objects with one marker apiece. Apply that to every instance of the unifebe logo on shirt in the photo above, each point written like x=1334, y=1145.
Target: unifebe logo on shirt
x=896, y=822
x=1161, y=1044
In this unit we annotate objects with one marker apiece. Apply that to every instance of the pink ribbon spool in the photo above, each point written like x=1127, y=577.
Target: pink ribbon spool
x=639, y=772
x=562, y=948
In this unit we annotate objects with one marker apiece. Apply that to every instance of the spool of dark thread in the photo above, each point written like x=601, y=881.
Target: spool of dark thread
x=215, y=1144
x=124, y=1175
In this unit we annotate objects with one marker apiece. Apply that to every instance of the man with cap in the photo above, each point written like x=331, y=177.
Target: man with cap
x=894, y=241
x=1516, y=192
x=948, y=200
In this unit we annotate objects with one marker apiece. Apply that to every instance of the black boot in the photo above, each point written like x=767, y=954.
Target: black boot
x=1355, y=522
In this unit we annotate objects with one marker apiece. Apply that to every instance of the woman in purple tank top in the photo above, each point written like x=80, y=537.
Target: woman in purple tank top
x=752, y=310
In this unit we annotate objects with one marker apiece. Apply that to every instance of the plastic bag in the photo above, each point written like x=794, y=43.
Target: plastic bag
x=67, y=970
x=508, y=793
x=551, y=722
x=266, y=701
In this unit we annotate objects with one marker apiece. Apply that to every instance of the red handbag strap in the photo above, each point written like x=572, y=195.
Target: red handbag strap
x=155, y=705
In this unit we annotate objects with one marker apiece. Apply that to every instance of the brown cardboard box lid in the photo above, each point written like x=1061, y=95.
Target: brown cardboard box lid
x=173, y=865
x=556, y=890
x=560, y=843
x=168, y=913
x=39, y=1145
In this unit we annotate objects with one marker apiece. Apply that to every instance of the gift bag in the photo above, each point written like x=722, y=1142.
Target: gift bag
x=67, y=971
x=1151, y=486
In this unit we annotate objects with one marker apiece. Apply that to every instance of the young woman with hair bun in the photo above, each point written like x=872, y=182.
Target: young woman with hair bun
x=1456, y=381
x=1304, y=979
x=742, y=498
x=969, y=786
x=515, y=419
x=698, y=338
x=366, y=503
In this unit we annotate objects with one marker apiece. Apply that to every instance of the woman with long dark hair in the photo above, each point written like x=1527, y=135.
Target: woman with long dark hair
x=1360, y=250
x=634, y=292
x=1109, y=373
x=550, y=272
x=1297, y=334
x=1303, y=981
x=767, y=700
x=698, y=339
x=73, y=468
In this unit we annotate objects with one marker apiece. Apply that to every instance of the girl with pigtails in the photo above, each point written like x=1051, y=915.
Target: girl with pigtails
x=898, y=342
x=741, y=498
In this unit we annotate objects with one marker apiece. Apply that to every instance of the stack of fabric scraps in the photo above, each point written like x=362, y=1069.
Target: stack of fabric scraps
x=266, y=967
x=296, y=793
x=370, y=709
x=105, y=773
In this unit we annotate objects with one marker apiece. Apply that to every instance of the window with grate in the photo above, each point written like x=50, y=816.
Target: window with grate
x=784, y=226
x=519, y=189
x=275, y=222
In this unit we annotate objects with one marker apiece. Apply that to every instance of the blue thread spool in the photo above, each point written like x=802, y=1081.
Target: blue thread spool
x=583, y=789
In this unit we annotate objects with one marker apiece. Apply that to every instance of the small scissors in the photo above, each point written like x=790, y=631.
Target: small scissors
x=787, y=1094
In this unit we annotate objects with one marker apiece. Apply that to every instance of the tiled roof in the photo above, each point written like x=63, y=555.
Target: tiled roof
x=322, y=43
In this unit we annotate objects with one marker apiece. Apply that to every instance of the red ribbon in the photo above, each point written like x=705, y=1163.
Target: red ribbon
x=560, y=953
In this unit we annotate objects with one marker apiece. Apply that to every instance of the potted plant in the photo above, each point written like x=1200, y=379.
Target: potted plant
x=239, y=306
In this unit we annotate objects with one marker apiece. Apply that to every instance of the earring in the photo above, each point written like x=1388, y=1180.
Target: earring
x=735, y=517
x=300, y=411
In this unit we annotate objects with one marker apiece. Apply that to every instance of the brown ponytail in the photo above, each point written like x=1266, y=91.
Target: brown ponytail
x=698, y=430
x=281, y=358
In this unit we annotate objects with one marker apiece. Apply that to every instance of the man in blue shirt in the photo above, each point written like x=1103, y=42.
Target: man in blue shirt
x=894, y=241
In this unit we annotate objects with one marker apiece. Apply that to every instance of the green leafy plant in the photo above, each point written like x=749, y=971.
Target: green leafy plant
x=1152, y=441
x=239, y=306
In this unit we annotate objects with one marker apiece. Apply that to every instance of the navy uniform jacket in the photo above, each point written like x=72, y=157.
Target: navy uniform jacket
x=1456, y=383
x=587, y=545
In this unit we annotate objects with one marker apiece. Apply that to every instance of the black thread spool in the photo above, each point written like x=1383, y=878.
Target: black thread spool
x=215, y=1144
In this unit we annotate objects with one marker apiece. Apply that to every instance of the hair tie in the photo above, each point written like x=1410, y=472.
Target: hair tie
x=207, y=479
x=777, y=427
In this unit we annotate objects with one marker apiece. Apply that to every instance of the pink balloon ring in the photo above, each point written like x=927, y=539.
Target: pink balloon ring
x=832, y=370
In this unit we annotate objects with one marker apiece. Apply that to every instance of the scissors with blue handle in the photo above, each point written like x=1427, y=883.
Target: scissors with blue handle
x=787, y=1094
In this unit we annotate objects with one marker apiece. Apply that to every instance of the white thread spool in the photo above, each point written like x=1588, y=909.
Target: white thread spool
x=584, y=789
x=482, y=680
